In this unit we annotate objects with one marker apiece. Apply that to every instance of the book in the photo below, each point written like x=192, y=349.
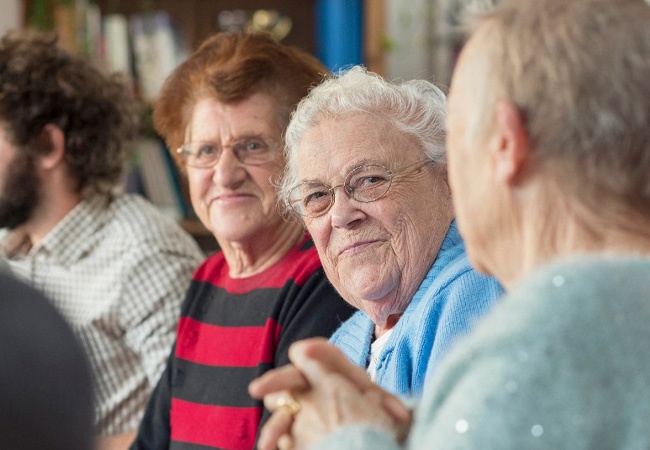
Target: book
x=157, y=50
x=117, y=51
x=94, y=40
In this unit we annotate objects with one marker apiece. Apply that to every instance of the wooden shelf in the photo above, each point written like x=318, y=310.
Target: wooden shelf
x=197, y=19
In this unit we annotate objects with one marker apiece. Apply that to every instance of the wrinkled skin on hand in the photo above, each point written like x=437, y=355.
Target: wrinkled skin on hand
x=332, y=392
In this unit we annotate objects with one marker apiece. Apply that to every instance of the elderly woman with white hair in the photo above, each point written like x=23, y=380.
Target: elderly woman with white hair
x=387, y=238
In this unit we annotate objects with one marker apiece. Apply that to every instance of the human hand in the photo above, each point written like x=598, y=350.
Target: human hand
x=331, y=392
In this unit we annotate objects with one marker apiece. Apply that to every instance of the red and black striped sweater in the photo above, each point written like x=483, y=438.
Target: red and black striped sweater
x=230, y=332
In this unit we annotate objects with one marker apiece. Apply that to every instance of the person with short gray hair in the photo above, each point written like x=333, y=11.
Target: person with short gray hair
x=388, y=240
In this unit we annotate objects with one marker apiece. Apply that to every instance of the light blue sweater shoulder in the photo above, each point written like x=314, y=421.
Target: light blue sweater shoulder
x=450, y=299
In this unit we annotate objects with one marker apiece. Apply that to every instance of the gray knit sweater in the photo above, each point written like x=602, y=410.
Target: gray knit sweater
x=563, y=362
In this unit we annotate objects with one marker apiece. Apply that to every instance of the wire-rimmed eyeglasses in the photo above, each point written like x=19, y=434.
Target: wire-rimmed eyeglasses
x=365, y=183
x=250, y=151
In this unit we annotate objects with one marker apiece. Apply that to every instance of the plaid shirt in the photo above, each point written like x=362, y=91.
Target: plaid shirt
x=118, y=271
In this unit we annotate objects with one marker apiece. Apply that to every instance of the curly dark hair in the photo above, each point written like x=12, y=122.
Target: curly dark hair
x=230, y=67
x=41, y=84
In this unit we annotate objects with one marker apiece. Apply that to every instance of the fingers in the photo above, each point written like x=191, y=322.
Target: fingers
x=309, y=351
x=285, y=442
x=286, y=378
x=322, y=373
x=282, y=399
x=397, y=409
x=314, y=356
x=278, y=425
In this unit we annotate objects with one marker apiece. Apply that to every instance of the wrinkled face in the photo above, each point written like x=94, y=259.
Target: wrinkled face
x=19, y=184
x=375, y=254
x=468, y=165
x=235, y=201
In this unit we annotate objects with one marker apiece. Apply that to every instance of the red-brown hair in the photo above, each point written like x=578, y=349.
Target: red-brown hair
x=230, y=67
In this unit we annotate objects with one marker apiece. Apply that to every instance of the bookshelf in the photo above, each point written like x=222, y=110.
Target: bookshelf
x=197, y=19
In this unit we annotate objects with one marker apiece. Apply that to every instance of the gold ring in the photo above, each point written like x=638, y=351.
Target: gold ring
x=289, y=404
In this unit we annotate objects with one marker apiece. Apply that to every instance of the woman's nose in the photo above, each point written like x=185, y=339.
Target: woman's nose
x=228, y=170
x=345, y=211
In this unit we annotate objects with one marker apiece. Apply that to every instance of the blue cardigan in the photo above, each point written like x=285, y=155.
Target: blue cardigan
x=450, y=299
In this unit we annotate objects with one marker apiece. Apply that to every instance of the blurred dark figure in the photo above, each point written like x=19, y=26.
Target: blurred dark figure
x=46, y=399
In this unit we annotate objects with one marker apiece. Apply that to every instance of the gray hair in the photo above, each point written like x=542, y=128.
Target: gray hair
x=579, y=71
x=415, y=107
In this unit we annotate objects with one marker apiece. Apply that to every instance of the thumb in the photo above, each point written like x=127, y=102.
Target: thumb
x=311, y=368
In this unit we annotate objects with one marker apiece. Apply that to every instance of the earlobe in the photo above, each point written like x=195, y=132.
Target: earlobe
x=510, y=145
x=53, y=138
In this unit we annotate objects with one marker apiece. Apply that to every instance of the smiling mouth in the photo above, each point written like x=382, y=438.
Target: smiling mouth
x=232, y=197
x=356, y=247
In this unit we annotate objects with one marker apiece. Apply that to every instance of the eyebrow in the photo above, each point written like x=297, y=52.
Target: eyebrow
x=238, y=138
x=345, y=171
x=249, y=135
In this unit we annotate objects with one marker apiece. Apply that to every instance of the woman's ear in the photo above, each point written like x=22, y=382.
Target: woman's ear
x=53, y=139
x=510, y=143
x=444, y=174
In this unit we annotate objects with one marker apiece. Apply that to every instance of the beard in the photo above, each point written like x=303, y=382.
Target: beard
x=19, y=193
